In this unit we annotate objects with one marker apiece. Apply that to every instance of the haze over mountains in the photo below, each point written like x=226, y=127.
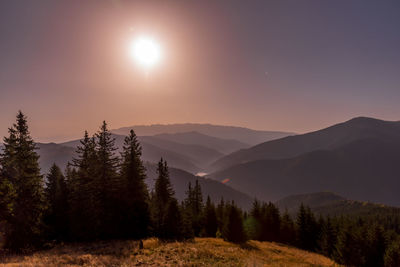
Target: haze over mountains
x=244, y=135
x=187, y=153
x=358, y=159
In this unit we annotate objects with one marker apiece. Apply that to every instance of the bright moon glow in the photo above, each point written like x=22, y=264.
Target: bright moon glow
x=146, y=51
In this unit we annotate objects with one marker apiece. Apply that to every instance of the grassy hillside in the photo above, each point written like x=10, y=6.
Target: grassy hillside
x=203, y=252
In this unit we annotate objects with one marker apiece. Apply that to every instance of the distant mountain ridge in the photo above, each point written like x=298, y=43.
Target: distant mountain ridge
x=224, y=146
x=325, y=139
x=358, y=159
x=241, y=134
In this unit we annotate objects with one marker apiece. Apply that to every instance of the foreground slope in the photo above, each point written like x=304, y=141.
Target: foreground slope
x=326, y=139
x=202, y=252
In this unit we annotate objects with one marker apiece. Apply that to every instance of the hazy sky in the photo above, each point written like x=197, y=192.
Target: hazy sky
x=272, y=65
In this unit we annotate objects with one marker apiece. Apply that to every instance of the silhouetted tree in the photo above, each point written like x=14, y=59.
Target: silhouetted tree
x=22, y=184
x=270, y=222
x=328, y=238
x=233, y=230
x=194, y=205
x=349, y=249
x=107, y=181
x=287, y=230
x=221, y=216
x=172, y=222
x=307, y=229
x=163, y=194
x=134, y=206
x=210, y=219
x=376, y=246
x=56, y=216
x=83, y=194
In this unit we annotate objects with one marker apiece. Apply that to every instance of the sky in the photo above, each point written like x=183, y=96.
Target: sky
x=281, y=65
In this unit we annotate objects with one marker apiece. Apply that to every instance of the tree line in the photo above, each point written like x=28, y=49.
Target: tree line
x=104, y=196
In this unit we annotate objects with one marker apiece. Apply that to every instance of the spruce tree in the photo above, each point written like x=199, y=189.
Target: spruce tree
x=221, y=216
x=270, y=221
x=233, y=230
x=107, y=182
x=287, y=231
x=83, y=194
x=21, y=177
x=163, y=195
x=254, y=223
x=307, y=228
x=210, y=219
x=349, y=249
x=172, y=222
x=194, y=206
x=56, y=216
x=376, y=246
x=134, y=208
x=328, y=238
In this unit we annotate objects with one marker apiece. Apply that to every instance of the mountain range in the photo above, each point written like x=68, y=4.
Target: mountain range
x=358, y=159
x=241, y=134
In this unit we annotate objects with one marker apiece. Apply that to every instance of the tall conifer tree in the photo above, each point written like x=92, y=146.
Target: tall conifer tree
x=135, y=197
x=107, y=181
x=84, y=196
x=210, y=219
x=21, y=172
x=56, y=216
x=163, y=195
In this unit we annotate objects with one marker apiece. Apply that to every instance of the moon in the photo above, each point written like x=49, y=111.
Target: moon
x=145, y=51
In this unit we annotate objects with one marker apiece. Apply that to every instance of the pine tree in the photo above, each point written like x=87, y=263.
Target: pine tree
x=307, y=228
x=287, y=231
x=210, y=219
x=194, y=206
x=21, y=172
x=172, y=222
x=83, y=194
x=163, y=194
x=187, y=227
x=328, y=238
x=56, y=216
x=221, y=216
x=233, y=230
x=135, y=198
x=270, y=222
x=107, y=182
x=254, y=223
x=376, y=246
x=348, y=249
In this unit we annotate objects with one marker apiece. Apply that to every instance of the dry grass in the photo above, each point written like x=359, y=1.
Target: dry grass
x=202, y=252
